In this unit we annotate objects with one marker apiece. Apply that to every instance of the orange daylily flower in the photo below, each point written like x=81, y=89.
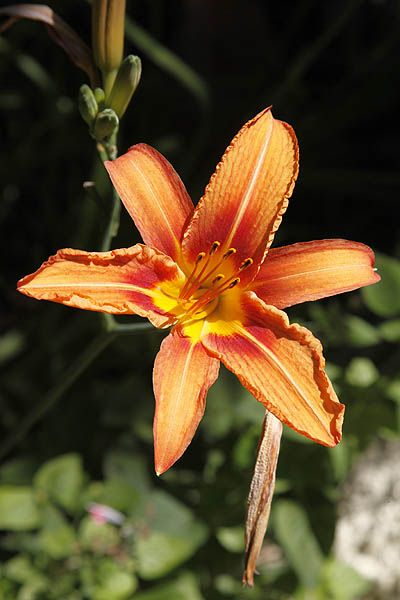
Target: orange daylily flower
x=208, y=271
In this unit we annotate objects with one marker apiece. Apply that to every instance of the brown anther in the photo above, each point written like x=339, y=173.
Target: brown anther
x=246, y=263
x=229, y=252
x=234, y=282
x=218, y=278
x=200, y=257
x=213, y=248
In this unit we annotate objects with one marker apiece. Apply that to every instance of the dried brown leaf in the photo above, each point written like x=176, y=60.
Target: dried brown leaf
x=261, y=492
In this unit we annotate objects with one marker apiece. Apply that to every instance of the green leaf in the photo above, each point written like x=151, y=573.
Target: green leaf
x=34, y=587
x=341, y=582
x=359, y=332
x=18, y=509
x=98, y=537
x=393, y=390
x=62, y=480
x=57, y=538
x=107, y=579
x=361, y=372
x=11, y=344
x=185, y=587
x=383, y=298
x=231, y=538
x=115, y=493
x=340, y=459
x=170, y=535
x=293, y=532
x=390, y=330
x=19, y=569
x=129, y=468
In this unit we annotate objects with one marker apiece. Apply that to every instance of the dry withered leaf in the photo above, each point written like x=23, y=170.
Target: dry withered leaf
x=261, y=492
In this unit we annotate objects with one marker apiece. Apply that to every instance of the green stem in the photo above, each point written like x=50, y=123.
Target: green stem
x=79, y=365
x=108, y=81
x=113, y=223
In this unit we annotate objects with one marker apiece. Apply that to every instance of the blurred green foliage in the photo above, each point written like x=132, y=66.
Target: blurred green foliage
x=331, y=70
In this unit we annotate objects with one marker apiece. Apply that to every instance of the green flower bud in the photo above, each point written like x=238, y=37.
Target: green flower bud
x=108, y=17
x=100, y=97
x=125, y=84
x=105, y=125
x=87, y=104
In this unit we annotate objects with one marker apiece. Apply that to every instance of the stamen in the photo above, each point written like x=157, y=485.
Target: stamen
x=201, y=277
x=218, y=278
x=198, y=260
x=214, y=248
x=246, y=263
x=213, y=293
x=234, y=282
x=229, y=252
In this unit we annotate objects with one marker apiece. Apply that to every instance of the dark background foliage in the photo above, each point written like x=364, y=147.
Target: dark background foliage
x=330, y=69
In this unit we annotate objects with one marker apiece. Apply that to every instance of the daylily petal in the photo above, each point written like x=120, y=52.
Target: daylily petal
x=183, y=373
x=244, y=202
x=312, y=270
x=280, y=364
x=154, y=196
x=121, y=281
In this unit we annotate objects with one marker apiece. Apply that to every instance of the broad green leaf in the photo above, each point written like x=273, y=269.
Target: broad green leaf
x=390, y=330
x=361, y=372
x=11, y=344
x=293, y=532
x=359, y=332
x=62, y=480
x=341, y=582
x=185, y=587
x=115, y=493
x=108, y=579
x=129, y=468
x=169, y=535
x=57, y=537
x=393, y=390
x=231, y=538
x=383, y=298
x=34, y=588
x=19, y=568
x=18, y=509
x=98, y=537
x=117, y=586
x=340, y=459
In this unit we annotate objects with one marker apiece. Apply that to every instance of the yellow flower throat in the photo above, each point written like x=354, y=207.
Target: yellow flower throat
x=199, y=295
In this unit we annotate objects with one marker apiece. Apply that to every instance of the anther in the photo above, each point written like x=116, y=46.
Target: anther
x=234, y=282
x=200, y=257
x=218, y=278
x=246, y=263
x=229, y=252
x=214, y=248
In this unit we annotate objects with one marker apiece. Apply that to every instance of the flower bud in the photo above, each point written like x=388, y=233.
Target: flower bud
x=87, y=104
x=108, y=18
x=105, y=125
x=100, y=97
x=125, y=84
